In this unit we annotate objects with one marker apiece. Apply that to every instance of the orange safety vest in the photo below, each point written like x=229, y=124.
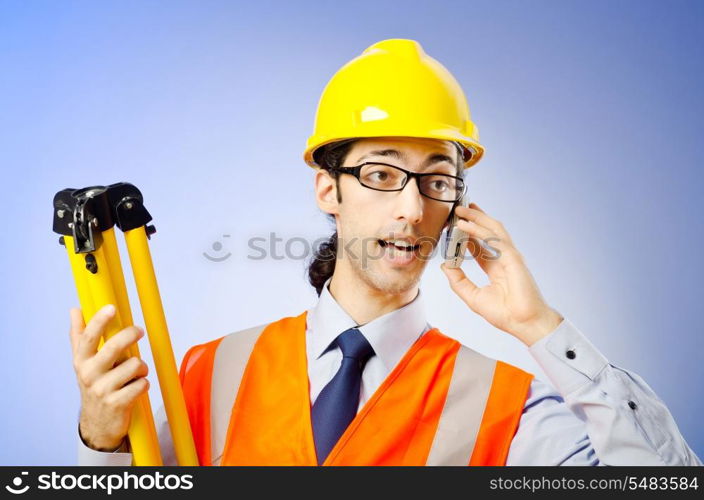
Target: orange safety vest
x=443, y=404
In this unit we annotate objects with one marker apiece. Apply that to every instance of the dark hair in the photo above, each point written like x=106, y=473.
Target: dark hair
x=329, y=157
x=322, y=265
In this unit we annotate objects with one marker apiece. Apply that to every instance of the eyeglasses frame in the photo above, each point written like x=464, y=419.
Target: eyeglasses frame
x=357, y=169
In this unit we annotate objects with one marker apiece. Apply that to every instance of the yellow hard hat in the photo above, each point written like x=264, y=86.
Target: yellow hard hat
x=394, y=89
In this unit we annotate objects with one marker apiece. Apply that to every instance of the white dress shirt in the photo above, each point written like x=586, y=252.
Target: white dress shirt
x=600, y=414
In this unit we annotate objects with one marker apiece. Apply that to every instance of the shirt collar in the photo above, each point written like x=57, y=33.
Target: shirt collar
x=391, y=335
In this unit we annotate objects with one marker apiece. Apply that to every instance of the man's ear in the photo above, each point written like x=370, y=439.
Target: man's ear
x=326, y=192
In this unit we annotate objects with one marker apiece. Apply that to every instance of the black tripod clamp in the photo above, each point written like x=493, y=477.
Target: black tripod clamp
x=87, y=212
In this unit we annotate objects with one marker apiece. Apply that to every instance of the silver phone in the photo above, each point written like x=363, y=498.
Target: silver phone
x=456, y=240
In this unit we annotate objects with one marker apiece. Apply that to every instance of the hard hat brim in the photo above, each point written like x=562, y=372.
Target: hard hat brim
x=473, y=150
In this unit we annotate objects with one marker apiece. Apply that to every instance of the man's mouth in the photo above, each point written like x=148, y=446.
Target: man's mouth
x=399, y=245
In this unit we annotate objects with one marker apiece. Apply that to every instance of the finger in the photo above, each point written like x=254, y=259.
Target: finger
x=90, y=338
x=494, y=249
x=115, y=346
x=476, y=207
x=127, y=396
x=76, y=329
x=478, y=231
x=479, y=245
x=484, y=254
x=486, y=237
x=473, y=213
x=122, y=374
x=459, y=282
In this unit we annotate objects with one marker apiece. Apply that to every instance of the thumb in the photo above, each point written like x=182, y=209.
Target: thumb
x=460, y=283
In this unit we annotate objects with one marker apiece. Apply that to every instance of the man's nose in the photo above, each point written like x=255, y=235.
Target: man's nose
x=409, y=204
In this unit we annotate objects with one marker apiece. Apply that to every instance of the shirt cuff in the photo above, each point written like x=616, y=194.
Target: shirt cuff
x=568, y=359
x=120, y=457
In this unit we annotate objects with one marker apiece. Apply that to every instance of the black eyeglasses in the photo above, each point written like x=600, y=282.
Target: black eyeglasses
x=384, y=177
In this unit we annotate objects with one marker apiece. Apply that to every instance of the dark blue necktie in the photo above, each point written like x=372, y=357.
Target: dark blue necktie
x=337, y=403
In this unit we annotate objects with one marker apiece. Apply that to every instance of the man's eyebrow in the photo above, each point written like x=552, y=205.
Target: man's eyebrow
x=437, y=158
x=383, y=152
x=393, y=153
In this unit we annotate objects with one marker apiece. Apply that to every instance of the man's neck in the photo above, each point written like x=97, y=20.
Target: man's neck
x=363, y=303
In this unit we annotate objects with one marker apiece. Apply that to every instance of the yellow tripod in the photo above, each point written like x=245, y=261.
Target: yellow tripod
x=86, y=219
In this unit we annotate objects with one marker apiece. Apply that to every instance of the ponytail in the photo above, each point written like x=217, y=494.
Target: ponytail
x=322, y=265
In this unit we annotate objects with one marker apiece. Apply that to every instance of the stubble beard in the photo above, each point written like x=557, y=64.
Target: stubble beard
x=371, y=270
x=382, y=279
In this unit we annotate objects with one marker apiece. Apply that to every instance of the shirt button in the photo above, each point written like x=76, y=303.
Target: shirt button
x=571, y=354
x=632, y=405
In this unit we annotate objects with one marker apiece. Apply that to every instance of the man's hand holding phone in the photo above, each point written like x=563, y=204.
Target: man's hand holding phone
x=511, y=301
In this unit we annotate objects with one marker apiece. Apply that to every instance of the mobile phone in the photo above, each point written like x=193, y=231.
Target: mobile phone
x=456, y=240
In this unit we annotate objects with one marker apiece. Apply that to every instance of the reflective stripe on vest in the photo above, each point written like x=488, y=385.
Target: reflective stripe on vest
x=459, y=425
x=443, y=404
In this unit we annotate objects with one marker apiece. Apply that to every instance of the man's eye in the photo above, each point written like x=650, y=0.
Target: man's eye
x=379, y=176
x=440, y=185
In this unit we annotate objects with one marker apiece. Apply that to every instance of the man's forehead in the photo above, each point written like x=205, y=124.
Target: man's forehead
x=402, y=147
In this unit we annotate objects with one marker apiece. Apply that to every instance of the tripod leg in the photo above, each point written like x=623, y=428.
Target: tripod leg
x=162, y=351
x=93, y=274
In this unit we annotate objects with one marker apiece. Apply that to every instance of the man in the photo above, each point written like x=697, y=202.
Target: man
x=361, y=378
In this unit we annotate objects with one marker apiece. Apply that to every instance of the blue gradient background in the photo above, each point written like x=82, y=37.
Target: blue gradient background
x=591, y=114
